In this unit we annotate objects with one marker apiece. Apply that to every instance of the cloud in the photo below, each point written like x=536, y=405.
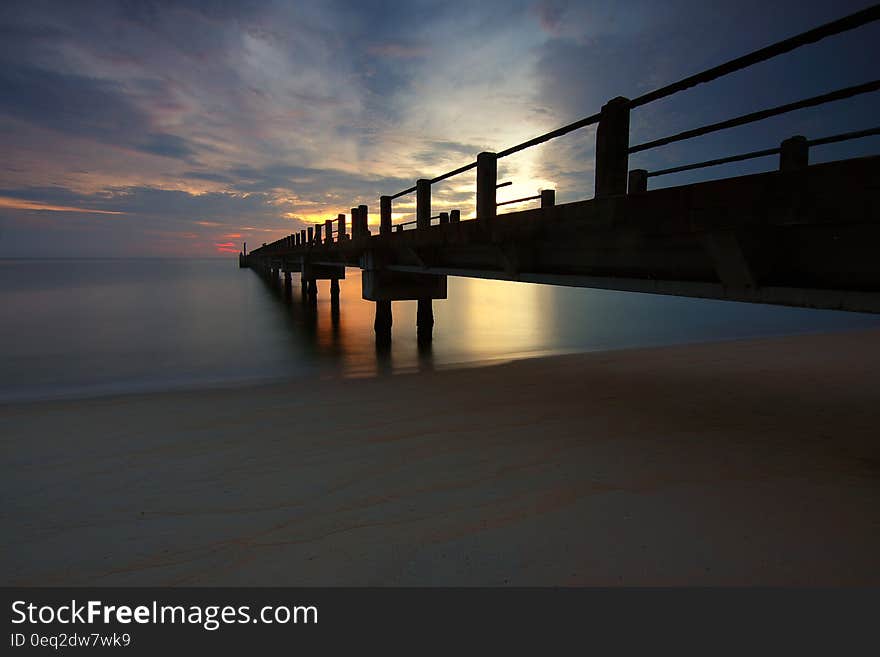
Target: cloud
x=200, y=119
x=85, y=107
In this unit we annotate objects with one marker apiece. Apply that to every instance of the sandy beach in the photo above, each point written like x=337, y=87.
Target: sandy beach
x=740, y=463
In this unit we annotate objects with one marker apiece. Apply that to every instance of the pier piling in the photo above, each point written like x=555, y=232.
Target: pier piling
x=425, y=321
x=382, y=323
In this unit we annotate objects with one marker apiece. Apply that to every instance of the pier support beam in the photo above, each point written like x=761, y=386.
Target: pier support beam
x=425, y=321
x=382, y=324
x=313, y=290
x=612, y=148
x=288, y=284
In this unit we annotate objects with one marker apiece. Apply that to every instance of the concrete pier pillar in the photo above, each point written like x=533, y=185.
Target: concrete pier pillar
x=423, y=203
x=384, y=215
x=334, y=289
x=794, y=154
x=382, y=324
x=612, y=148
x=313, y=290
x=487, y=181
x=304, y=289
x=425, y=320
x=288, y=284
x=638, y=181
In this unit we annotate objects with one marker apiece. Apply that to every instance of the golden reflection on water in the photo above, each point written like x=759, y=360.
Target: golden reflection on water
x=480, y=321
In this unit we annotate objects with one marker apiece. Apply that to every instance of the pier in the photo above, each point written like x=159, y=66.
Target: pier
x=799, y=234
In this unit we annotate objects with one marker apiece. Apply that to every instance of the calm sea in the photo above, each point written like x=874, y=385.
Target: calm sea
x=93, y=327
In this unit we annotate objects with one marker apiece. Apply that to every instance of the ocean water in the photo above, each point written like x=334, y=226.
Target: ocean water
x=79, y=328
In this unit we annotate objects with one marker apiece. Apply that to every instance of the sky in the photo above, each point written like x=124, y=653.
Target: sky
x=148, y=128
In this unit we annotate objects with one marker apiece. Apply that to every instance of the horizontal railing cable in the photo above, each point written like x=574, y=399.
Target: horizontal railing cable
x=844, y=24
x=518, y=200
x=844, y=136
x=832, y=139
x=839, y=94
x=712, y=163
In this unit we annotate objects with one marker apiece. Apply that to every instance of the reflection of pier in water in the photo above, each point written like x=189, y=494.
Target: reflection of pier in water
x=317, y=320
x=799, y=235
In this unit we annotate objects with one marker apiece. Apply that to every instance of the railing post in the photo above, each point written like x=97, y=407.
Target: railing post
x=328, y=230
x=444, y=218
x=487, y=180
x=794, y=154
x=318, y=234
x=638, y=181
x=423, y=203
x=340, y=219
x=612, y=148
x=455, y=216
x=384, y=215
x=365, y=228
x=548, y=198
x=355, y=224
x=302, y=237
x=310, y=233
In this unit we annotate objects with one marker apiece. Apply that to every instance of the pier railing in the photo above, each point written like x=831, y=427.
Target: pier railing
x=612, y=174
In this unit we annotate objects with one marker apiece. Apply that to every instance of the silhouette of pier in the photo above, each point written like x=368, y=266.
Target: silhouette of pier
x=798, y=235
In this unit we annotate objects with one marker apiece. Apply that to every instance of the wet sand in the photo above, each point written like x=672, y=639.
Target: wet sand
x=739, y=463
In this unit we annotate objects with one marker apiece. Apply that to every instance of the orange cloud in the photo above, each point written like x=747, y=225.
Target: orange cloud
x=19, y=204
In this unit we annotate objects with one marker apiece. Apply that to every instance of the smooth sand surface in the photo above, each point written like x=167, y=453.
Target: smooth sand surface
x=741, y=463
